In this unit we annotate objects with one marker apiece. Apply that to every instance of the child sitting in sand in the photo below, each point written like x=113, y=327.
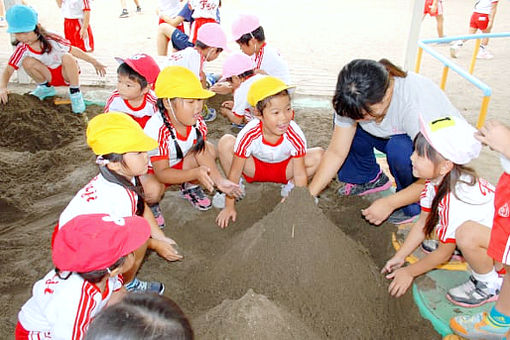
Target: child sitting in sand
x=270, y=148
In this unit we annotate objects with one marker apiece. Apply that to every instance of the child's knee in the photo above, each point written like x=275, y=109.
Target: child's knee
x=211, y=149
x=226, y=144
x=467, y=235
x=29, y=63
x=153, y=190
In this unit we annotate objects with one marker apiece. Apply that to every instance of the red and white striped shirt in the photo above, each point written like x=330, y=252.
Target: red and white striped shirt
x=469, y=203
x=269, y=60
x=140, y=114
x=63, y=309
x=73, y=9
x=250, y=142
x=241, y=107
x=53, y=59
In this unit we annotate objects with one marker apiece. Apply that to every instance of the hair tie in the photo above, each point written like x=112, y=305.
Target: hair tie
x=100, y=160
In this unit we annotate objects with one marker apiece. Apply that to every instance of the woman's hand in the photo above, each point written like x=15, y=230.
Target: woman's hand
x=402, y=279
x=493, y=134
x=225, y=215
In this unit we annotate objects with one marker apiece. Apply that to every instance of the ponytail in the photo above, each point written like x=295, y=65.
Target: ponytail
x=393, y=69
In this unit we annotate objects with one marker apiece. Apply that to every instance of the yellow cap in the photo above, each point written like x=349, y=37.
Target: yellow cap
x=115, y=132
x=179, y=82
x=265, y=87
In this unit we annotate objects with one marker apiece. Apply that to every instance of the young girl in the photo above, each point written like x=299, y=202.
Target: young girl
x=121, y=148
x=183, y=155
x=458, y=205
x=90, y=253
x=270, y=148
x=48, y=58
x=77, y=23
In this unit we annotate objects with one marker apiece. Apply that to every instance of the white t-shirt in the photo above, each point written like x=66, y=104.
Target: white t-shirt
x=189, y=58
x=157, y=130
x=60, y=46
x=100, y=196
x=170, y=7
x=412, y=96
x=204, y=8
x=62, y=309
x=73, y=9
x=269, y=60
x=484, y=6
x=241, y=107
x=250, y=142
x=147, y=108
x=469, y=203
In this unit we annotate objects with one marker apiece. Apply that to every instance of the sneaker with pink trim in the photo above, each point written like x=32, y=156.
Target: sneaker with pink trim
x=196, y=196
x=381, y=182
x=158, y=215
x=473, y=293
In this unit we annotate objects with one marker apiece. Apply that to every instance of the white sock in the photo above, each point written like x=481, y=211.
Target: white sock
x=491, y=279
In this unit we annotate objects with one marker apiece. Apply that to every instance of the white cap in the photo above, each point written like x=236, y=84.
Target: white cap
x=452, y=137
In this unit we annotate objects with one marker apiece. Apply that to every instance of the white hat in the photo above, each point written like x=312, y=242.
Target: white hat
x=452, y=137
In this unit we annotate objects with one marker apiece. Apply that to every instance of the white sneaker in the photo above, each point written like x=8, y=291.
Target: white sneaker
x=483, y=53
x=286, y=189
x=455, y=47
x=218, y=200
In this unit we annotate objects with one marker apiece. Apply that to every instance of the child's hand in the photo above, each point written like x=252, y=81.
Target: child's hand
x=402, y=279
x=222, y=88
x=202, y=175
x=100, y=68
x=495, y=135
x=392, y=264
x=229, y=104
x=229, y=188
x=83, y=32
x=377, y=212
x=3, y=95
x=166, y=250
x=225, y=215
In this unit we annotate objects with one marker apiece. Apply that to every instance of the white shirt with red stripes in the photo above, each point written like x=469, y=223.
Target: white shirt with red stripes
x=156, y=129
x=250, y=142
x=73, y=9
x=241, y=107
x=62, y=309
x=269, y=60
x=204, y=8
x=169, y=7
x=147, y=108
x=100, y=196
x=189, y=58
x=484, y=6
x=53, y=59
x=469, y=203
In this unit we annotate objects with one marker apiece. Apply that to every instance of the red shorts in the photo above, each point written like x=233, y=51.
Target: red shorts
x=20, y=333
x=57, y=78
x=177, y=166
x=196, y=25
x=479, y=21
x=180, y=27
x=72, y=29
x=439, y=10
x=269, y=172
x=499, y=244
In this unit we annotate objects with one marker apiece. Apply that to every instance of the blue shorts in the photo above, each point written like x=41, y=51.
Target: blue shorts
x=186, y=13
x=180, y=40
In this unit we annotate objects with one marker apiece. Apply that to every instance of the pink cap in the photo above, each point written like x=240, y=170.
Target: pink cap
x=212, y=35
x=243, y=24
x=96, y=241
x=143, y=64
x=236, y=64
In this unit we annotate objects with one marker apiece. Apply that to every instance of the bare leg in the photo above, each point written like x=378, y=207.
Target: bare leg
x=152, y=188
x=440, y=25
x=139, y=255
x=473, y=240
x=163, y=36
x=226, y=152
x=36, y=70
x=70, y=70
x=123, y=4
x=136, y=3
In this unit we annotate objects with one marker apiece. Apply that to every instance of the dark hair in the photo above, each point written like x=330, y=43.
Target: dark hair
x=126, y=70
x=244, y=75
x=423, y=148
x=94, y=276
x=41, y=36
x=258, y=34
x=362, y=83
x=143, y=316
x=261, y=105
x=113, y=177
x=201, y=45
x=199, y=145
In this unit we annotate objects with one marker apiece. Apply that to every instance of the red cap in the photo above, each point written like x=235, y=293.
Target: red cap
x=96, y=241
x=144, y=64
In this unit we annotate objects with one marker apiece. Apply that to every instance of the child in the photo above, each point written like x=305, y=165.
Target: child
x=247, y=32
x=168, y=10
x=90, y=254
x=496, y=323
x=47, y=58
x=239, y=73
x=183, y=155
x=121, y=148
x=77, y=23
x=458, y=205
x=270, y=148
x=136, y=77
x=434, y=8
x=141, y=316
x=482, y=19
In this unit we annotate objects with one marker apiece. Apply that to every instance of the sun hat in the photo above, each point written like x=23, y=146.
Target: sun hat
x=244, y=24
x=452, y=137
x=96, y=241
x=116, y=132
x=265, y=87
x=236, y=64
x=21, y=19
x=143, y=64
x=212, y=35
x=180, y=82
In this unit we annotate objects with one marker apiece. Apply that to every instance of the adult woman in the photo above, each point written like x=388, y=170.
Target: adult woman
x=378, y=106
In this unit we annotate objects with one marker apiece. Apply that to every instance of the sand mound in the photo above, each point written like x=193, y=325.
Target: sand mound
x=253, y=316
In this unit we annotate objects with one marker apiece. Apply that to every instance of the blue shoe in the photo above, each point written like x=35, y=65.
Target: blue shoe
x=43, y=91
x=209, y=114
x=139, y=286
x=77, y=103
x=477, y=326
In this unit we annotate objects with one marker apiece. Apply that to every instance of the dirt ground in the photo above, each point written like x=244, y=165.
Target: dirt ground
x=282, y=271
